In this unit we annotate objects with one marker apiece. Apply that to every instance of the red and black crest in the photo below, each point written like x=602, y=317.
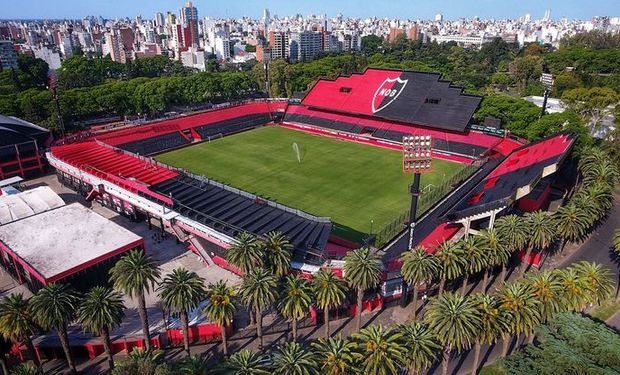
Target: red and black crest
x=387, y=93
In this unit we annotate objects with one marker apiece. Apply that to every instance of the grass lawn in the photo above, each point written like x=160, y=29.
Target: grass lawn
x=606, y=310
x=349, y=182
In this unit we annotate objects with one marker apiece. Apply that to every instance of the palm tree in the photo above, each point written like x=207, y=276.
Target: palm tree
x=591, y=212
x=194, y=365
x=419, y=267
x=245, y=362
x=600, y=196
x=380, y=351
x=547, y=290
x=362, y=268
x=329, y=291
x=246, y=253
x=295, y=300
x=292, y=359
x=102, y=310
x=182, y=291
x=475, y=258
x=421, y=347
x=258, y=291
x=571, y=223
x=519, y=301
x=335, y=356
x=136, y=274
x=17, y=323
x=541, y=233
x=513, y=234
x=598, y=280
x=590, y=157
x=221, y=308
x=493, y=323
x=605, y=172
x=498, y=254
x=26, y=369
x=144, y=362
x=277, y=251
x=450, y=258
x=574, y=289
x=455, y=321
x=54, y=307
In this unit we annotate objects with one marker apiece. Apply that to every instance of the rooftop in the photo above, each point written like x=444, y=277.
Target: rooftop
x=79, y=238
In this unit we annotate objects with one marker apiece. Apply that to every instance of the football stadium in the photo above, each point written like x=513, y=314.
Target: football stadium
x=326, y=171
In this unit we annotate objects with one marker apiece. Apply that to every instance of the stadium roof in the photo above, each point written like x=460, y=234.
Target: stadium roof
x=406, y=96
x=14, y=131
x=515, y=177
x=78, y=239
x=28, y=203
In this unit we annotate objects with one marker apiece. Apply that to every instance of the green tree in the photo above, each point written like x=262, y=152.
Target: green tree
x=245, y=362
x=455, y=321
x=362, y=268
x=258, y=291
x=590, y=103
x=520, y=303
x=221, y=308
x=599, y=282
x=475, y=258
x=182, y=291
x=371, y=44
x=245, y=254
x=334, y=356
x=292, y=359
x=295, y=300
x=513, y=233
x=571, y=223
x=419, y=267
x=380, y=350
x=542, y=232
x=136, y=274
x=54, y=307
x=450, y=258
x=143, y=362
x=497, y=252
x=277, y=251
x=17, y=322
x=493, y=323
x=26, y=369
x=421, y=347
x=525, y=70
x=547, y=290
x=194, y=365
x=329, y=291
x=101, y=311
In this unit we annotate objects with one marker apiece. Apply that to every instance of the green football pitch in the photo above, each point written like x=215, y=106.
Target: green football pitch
x=351, y=183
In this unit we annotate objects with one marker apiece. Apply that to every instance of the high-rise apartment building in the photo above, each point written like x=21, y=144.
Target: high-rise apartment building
x=8, y=58
x=189, y=19
x=305, y=45
x=279, y=43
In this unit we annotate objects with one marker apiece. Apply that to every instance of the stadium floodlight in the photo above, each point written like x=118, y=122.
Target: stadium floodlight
x=417, y=159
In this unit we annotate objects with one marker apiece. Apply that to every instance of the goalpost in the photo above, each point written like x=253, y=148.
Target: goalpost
x=217, y=136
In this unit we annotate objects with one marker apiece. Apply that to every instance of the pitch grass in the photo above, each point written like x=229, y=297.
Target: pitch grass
x=349, y=182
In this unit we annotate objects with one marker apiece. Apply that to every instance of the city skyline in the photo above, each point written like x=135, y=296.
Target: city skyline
x=488, y=9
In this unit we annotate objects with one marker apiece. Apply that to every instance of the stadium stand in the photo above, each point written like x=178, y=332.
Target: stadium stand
x=411, y=97
x=20, y=145
x=233, y=125
x=470, y=143
x=157, y=144
x=517, y=176
x=232, y=213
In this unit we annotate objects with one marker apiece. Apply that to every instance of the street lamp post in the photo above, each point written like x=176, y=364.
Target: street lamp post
x=417, y=159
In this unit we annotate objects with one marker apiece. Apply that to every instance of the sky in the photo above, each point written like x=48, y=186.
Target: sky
x=403, y=9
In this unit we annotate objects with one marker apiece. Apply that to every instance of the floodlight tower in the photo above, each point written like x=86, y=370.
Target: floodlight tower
x=417, y=159
x=547, y=80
